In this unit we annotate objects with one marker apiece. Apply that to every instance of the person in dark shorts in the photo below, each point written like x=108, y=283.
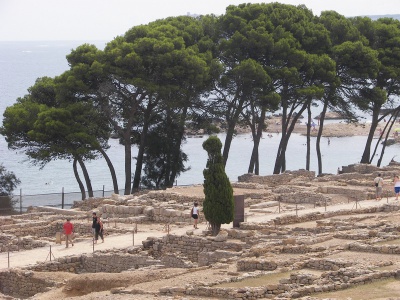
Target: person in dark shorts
x=396, y=182
x=94, y=221
x=195, y=214
x=98, y=230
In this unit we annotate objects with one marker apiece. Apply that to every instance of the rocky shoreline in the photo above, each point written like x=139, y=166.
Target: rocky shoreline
x=339, y=128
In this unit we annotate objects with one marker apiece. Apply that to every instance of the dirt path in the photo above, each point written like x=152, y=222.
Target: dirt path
x=30, y=257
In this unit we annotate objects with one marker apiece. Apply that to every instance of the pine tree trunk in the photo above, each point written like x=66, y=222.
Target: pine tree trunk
x=78, y=179
x=112, y=171
x=387, y=136
x=215, y=228
x=280, y=162
x=168, y=160
x=320, y=129
x=179, y=138
x=87, y=178
x=254, y=152
x=231, y=130
x=128, y=162
x=308, y=152
x=280, y=157
x=139, y=158
x=365, y=159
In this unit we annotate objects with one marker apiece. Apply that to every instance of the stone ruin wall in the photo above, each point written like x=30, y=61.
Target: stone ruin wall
x=282, y=191
x=12, y=243
x=154, y=206
x=360, y=168
x=277, y=179
x=368, y=172
x=385, y=249
x=350, y=193
x=298, y=285
x=37, y=234
x=22, y=283
x=19, y=236
x=97, y=262
x=292, y=219
x=161, y=196
x=290, y=195
x=35, y=228
x=9, y=240
x=167, y=207
x=261, y=264
x=144, y=214
x=200, y=250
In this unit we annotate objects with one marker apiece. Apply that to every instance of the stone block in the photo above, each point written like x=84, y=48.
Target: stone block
x=125, y=210
x=222, y=236
x=148, y=211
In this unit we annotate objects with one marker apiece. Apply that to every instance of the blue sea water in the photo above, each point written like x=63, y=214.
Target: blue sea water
x=21, y=63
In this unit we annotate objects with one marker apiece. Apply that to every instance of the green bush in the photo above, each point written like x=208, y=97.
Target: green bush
x=218, y=204
x=8, y=182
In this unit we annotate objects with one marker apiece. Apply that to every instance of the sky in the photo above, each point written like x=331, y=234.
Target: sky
x=103, y=20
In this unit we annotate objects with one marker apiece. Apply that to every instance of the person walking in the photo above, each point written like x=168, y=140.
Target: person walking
x=378, y=181
x=94, y=221
x=195, y=214
x=98, y=230
x=68, y=231
x=396, y=182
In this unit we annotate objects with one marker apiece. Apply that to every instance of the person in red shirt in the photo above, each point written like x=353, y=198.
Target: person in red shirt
x=68, y=230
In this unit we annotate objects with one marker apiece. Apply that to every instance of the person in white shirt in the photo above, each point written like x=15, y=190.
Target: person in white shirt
x=194, y=213
x=396, y=182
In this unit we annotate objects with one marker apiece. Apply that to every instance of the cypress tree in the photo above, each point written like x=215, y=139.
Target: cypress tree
x=218, y=204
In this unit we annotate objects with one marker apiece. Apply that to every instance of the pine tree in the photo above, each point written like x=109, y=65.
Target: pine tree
x=8, y=182
x=218, y=204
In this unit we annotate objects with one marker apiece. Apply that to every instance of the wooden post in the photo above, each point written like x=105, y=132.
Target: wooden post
x=62, y=198
x=50, y=255
x=20, y=201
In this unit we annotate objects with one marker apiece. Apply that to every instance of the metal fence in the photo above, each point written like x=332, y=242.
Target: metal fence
x=20, y=203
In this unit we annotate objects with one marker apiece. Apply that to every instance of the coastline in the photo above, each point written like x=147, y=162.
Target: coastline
x=336, y=129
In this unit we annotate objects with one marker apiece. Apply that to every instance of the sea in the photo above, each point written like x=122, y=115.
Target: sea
x=21, y=63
